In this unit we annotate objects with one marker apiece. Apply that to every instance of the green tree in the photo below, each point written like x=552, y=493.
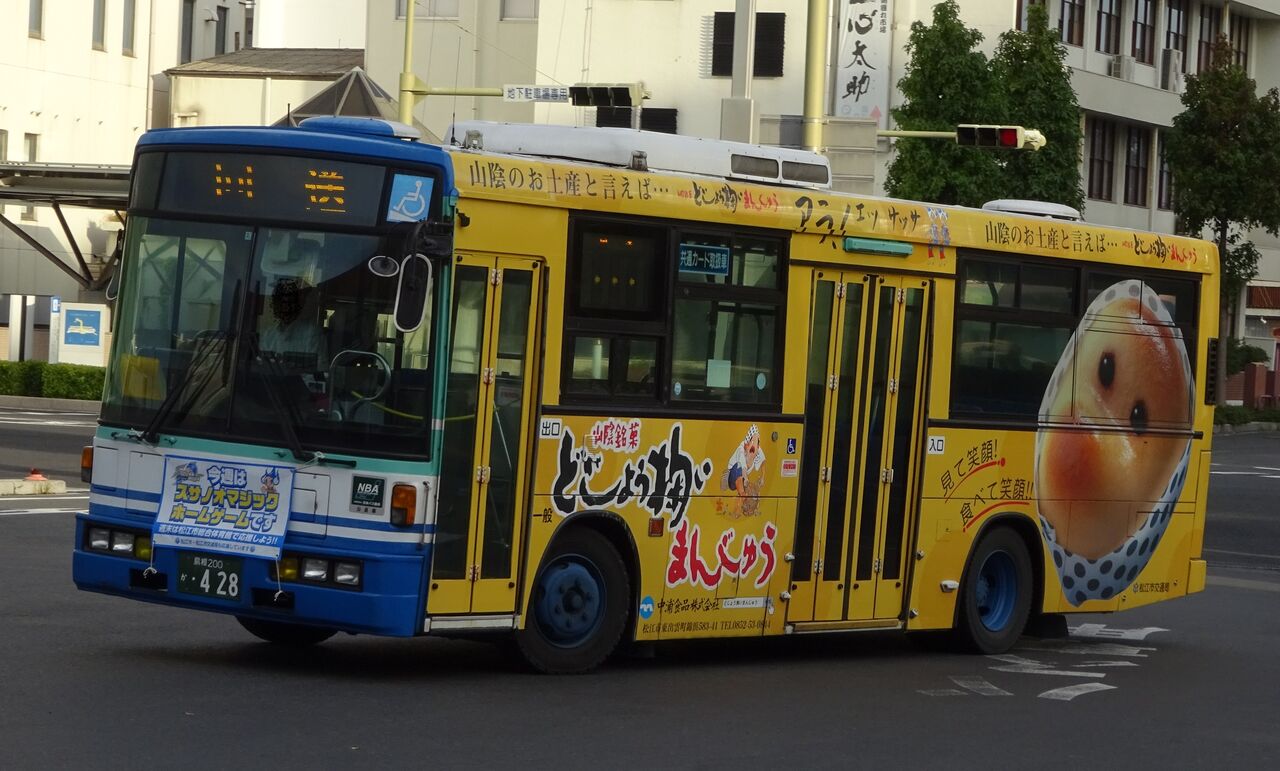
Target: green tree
x=1030, y=69
x=1224, y=154
x=947, y=81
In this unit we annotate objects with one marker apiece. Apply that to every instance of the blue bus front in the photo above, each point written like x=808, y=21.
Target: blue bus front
x=268, y=444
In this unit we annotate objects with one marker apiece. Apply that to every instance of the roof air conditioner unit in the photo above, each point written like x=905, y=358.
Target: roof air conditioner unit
x=1171, y=70
x=1122, y=67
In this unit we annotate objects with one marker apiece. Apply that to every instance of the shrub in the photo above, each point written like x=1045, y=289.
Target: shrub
x=1240, y=353
x=1232, y=415
x=73, y=381
x=21, y=378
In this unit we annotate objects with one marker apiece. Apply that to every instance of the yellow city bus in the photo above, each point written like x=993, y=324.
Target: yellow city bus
x=686, y=390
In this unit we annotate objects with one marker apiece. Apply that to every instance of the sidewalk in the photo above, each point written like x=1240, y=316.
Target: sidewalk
x=1246, y=428
x=49, y=405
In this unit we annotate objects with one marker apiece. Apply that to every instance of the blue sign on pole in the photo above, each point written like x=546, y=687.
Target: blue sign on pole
x=82, y=327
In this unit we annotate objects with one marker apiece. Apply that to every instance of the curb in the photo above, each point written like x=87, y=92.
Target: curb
x=23, y=487
x=1246, y=428
x=53, y=405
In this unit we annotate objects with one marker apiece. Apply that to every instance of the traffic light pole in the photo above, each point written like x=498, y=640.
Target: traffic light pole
x=916, y=134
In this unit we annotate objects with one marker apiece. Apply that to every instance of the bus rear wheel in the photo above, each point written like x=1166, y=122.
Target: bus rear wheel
x=578, y=609
x=995, y=596
x=283, y=633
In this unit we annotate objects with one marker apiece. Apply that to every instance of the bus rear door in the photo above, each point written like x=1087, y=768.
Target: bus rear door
x=862, y=427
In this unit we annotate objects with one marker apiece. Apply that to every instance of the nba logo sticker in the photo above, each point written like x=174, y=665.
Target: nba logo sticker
x=791, y=446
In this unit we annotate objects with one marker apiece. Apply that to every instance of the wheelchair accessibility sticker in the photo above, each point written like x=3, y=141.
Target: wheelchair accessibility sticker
x=410, y=198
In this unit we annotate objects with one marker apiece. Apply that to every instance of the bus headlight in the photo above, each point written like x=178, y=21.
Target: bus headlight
x=121, y=542
x=99, y=538
x=315, y=569
x=347, y=573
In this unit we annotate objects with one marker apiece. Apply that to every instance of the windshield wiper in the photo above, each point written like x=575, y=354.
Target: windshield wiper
x=289, y=412
x=215, y=342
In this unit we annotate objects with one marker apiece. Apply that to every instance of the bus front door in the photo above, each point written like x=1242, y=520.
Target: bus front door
x=862, y=412
x=489, y=406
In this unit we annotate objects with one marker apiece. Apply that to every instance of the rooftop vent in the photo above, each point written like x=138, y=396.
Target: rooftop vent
x=1055, y=211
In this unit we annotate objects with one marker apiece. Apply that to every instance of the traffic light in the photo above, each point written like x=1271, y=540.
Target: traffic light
x=1001, y=137
x=607, y=94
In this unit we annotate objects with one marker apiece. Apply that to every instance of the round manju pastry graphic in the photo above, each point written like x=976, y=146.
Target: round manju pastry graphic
x=1113, y=443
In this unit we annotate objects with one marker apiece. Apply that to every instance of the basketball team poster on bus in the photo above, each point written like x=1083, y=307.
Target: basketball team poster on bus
x=223, y=506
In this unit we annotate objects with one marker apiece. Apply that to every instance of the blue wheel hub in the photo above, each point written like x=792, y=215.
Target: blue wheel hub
x=569, y=604
x=996, y=591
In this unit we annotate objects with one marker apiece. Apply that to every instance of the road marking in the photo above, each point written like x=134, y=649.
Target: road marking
x=943, y=692
x=39, y=511
x=1091, y=649
x=1069, y=692
x=1108, y=664
x=64, y=423
x=1245, y=554
x=1100, y=631
x=1019, y=665
x=979, y=686
x=1244, y=583
x=54, y=497
x=1236, y=473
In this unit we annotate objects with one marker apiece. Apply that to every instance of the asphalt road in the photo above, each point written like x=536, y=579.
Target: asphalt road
x=93, y=681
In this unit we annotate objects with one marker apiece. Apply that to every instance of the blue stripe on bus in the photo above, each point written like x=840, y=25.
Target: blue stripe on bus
x=121, y=492
x=124, y=512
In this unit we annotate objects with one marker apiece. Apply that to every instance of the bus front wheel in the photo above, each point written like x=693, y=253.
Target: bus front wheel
x=995, y=596
x=578, y=609
x=282, y=633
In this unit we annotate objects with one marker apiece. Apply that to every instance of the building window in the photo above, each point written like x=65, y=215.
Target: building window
x=429, y=9
x=1164, y=191
x=100, y=25
x=770, y=36
x=1144, y=31
x=1108, y=39
x=35, y=19
x=130, y=8
x=661, y=119
x=1023, y=6
x=31, y=147
x=1138, y=149
x=4, y=145
x=188, y=28
x=248, y=26
x=1071, y=22
x=519, y=9
x=1240, y=31
x=1102, y=158
x=1210, y=27
x=1175, y=36
x=220, y=32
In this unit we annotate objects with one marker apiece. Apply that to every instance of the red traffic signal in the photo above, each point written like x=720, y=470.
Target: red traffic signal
x=1002, y=137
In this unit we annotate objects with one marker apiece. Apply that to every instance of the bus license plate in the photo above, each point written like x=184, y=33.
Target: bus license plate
x=210, y=575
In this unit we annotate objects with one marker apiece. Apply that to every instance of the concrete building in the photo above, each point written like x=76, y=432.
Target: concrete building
x=81, y=88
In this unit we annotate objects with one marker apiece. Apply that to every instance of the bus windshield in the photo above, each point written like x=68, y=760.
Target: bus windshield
x=232, y=331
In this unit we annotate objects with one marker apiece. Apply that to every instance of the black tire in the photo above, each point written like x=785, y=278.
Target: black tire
x=579, y=605
x=995, y=595
x=283, y=633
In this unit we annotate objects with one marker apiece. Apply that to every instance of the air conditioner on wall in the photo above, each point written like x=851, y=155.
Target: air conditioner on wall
x=1122, y=67
x=1171, y=70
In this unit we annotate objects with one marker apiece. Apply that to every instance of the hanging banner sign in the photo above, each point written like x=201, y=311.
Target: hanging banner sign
x=224, y=506
x=862, y=82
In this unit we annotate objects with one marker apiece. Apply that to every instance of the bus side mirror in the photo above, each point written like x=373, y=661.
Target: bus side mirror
x=412, y=292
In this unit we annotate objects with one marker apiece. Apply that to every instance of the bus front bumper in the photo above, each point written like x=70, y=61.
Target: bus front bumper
x=381, y=605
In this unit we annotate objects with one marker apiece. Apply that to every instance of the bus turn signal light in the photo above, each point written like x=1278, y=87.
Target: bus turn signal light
x=404, y=505
x=86, y=463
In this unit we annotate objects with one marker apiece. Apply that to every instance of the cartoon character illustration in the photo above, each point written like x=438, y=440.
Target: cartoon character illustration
x=1106, y=495
x=186, y=472
x=78, y=327
x=270, y=480
x=747, y=459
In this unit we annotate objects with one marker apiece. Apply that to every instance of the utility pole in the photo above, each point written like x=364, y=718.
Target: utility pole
x=815, y=70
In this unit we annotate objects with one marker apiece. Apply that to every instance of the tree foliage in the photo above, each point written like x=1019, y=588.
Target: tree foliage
x=1224, y=154
x=948, y=81
x=1029, y=67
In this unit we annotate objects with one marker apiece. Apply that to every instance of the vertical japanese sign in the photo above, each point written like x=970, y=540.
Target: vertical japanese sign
x=862, y=81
